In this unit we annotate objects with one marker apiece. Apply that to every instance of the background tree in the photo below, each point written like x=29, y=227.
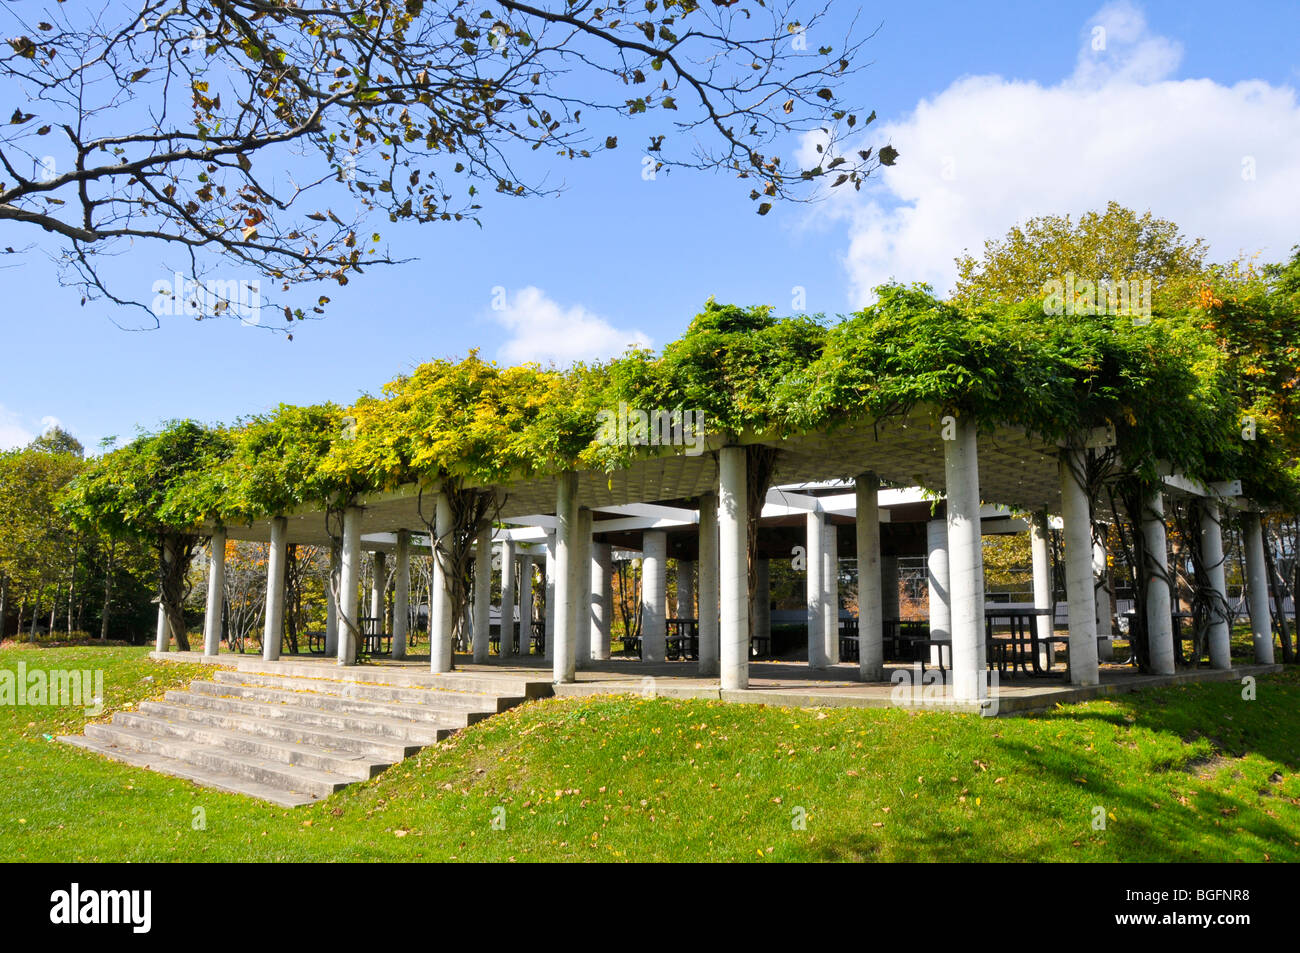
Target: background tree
x=172, y=124
x=1117, y=244
x=155, y=490
x=38, y=549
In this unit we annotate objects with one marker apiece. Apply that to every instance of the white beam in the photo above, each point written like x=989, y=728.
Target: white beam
x=349, y=580
x=601, y=600
x=1076, y=518
x=1220, y=633
x=440, y=613
x=505, y=647
x=708, y=582
x=274, y=620
x=1261, y=620
x=815, y=594
x=733, y=566
x=871, y=652
x=401, y=593
x=1160, y=624
x=216, y=593
x=654, y=595
x=482, y=592
x=965, y=562
x=564, y=655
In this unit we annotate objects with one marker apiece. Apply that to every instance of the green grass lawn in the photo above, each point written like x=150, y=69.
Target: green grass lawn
x=1191, y=773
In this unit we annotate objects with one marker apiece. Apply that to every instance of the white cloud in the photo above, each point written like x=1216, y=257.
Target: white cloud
x=989, y=152
x=18, y=431
x=13, y=430
x=542, y=330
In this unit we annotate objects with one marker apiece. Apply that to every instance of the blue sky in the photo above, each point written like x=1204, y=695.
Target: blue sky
x=999, y=111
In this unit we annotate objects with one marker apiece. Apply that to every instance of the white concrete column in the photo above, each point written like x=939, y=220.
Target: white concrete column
x=733, y=568
x=1041, y=559
x=815, y=589
x=939, y=582
x=1261, y=619
x=708, y=583
x=602, y=604
x=1212, y=552
x=831, y=592
x=685, y=589
x=349, y=582
x=551, y=568
x=163, y=633
x=1159, y=599
x=1076, y=533
x=216, y=592
x=582, y=590
x=1101, y=595
x=965, y=562
x=654, y=594
x=442, y=630
x=331, y=611
x=402, y=593
x=378, y=587
x=525, y=604
x=760, y=605
x=566, y=518
x=273, y=629
x=889, y=588
x=508, y=597
x=871, y=602
x=482, y=592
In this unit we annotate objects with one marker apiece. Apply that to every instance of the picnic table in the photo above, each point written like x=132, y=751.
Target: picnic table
x=902, y=638
x=683, y=639
x=374, y=640
x=1180, y=636
x=1023, y=640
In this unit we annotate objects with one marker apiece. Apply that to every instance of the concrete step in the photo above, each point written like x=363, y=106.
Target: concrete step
x=395, y=726
x=293, y=732
x=373, y=691
x=288, y=777
x=284, y=723
x=417, y=714
x=200, y=776
x=346, y=764
x=402, y=677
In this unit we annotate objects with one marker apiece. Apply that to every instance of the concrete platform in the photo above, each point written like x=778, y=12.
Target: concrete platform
x=770, y=683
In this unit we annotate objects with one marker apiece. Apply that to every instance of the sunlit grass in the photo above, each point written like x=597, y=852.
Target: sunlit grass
x=1187, y=773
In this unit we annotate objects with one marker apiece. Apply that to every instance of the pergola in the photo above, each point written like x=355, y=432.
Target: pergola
x=852, y=475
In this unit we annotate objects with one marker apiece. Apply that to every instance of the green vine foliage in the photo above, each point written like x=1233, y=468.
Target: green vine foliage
x=156, y=485
x=1174, y=389
x=275, y=464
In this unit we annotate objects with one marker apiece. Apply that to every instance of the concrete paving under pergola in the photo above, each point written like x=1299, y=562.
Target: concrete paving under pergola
x=669, y=504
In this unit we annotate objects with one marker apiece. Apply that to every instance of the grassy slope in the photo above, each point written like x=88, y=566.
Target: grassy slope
x=1183, y=774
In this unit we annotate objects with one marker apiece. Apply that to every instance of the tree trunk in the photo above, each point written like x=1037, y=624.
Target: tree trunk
x=175, y=552
x=36, y=611
x=4, y=593
x=292, y=596
x=72, y=586
x=1279, y=599
x=108, y=592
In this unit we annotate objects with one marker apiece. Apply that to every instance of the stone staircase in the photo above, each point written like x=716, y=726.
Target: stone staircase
x=291, y=732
